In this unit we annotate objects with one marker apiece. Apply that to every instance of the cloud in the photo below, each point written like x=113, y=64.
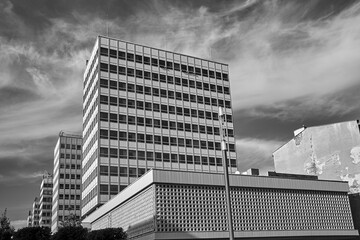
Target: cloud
x=256, y=153
x=17, y=224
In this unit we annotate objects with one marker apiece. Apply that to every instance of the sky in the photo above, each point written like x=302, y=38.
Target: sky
x=292, y=63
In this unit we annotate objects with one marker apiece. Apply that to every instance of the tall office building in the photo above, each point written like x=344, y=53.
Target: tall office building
x=147, y=108
x=35, y=213
x=45, y=202
x=67, y=178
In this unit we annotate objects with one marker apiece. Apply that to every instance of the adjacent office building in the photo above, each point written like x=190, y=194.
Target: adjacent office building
x=165, y=204
x=29, y=219
x=35, y=213
x=330, y=152
x=146, y=108
x=66, y=178
x=45, y=202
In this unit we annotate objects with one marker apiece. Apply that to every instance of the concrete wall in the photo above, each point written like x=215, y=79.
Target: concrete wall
x=331, y=151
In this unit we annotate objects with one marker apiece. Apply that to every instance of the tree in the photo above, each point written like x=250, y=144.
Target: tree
x=33, y=233
x=6, y=230
x=71, y=221
x=70, y=233
x=107, y=234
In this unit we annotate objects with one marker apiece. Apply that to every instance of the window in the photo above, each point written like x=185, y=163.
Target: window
x=139, y=105
x=141, y=137
x=121, y=55
x=113, y=135
x=132, y=154
x=149, y=139
x=114, y=152
x=170, y=80
x=154, y=62
x=141, y=155
x=113, y=117
x=203, y=144
x=131, y=103
x=178, y=96
x=130, y=72
x=163, y=93
x=181, y=142
x=104, y=152
x=157, y=123
x=104, y=99
x=104, y=189
x=164, y=124
x=139, y=89
x=174, y=158
x=113, y=68
x=173, y=141
x=148, y=106
x=138, y=58
x=189, y=159
x=140, y=121
x=104, y=83
x=146, y=60
x=132, y=172
x=188, y=143
x=162, y=78
x=166, y=157
x=147, y=75
x=131, y=120
x=130, y=57
x=165, y=140
x=158, y=157
x=195, y=128
x=155, y=76
x=148, y=122
x=123, y=172
x=156, y=107
x=122, y=119
x=171, y=95
x=150, y=156
x=123, y=153
x=156, y=92
x=122, y=136
x=104, y=133
x=157, y=139
x=131, y=137
x=104, y=51
x=171, y=109
x=180, y=126
x=114, y=189
x=104, y=170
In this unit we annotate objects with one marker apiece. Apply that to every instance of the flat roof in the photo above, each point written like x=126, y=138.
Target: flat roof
x=159, y=176
x=159, y=49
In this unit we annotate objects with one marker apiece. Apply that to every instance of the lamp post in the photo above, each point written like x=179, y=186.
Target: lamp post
x=226, y=173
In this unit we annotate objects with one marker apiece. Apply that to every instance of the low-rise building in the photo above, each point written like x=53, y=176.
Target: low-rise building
x=331, y=152
x=165, y=204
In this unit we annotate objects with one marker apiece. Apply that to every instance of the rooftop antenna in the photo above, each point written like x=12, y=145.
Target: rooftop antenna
x=107, y=20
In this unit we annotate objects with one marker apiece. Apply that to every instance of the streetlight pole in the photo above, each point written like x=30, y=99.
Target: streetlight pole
x=226, y=173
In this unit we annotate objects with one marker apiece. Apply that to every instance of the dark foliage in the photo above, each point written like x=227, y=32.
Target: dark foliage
x=33, y=233
x=71, y=233
x=107, y=234
x=6, y=231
